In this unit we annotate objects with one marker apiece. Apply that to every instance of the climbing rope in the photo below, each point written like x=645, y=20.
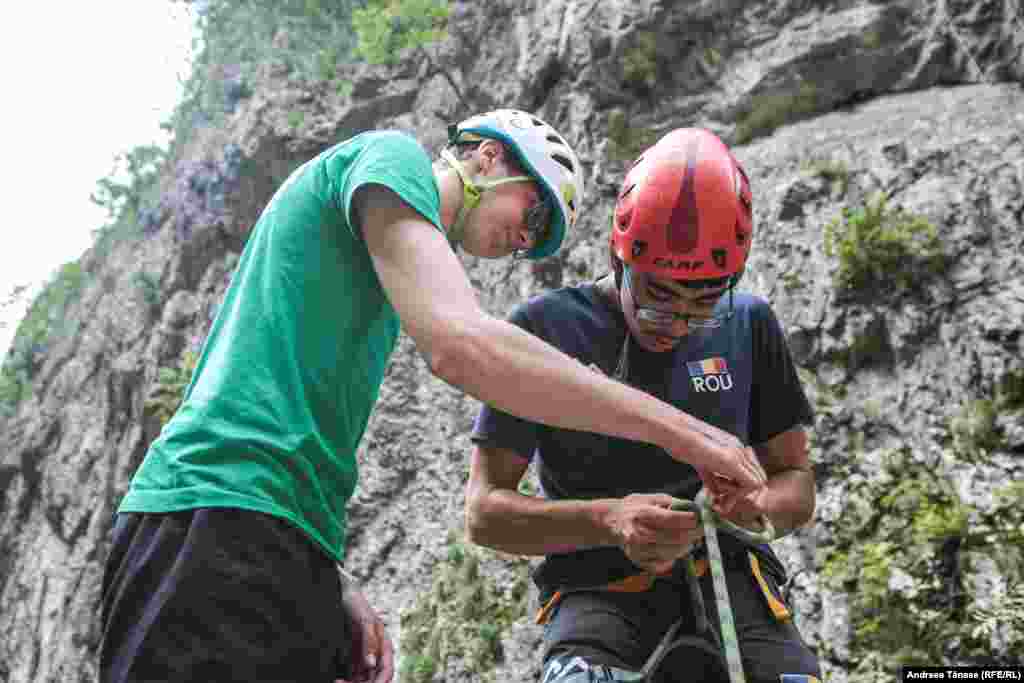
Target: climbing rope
x=712, y=523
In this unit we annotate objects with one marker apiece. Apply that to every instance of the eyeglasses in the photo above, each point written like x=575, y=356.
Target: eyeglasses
x=537, y=219
x=657, y=317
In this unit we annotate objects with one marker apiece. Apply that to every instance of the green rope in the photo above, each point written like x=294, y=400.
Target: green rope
x=712, y=523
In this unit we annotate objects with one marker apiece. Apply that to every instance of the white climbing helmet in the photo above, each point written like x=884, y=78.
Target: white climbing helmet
x=542, y=152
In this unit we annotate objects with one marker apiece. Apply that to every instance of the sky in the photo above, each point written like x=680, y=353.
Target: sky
x=82, y=83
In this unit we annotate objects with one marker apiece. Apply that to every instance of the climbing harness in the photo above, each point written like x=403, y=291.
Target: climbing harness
x=712, y=523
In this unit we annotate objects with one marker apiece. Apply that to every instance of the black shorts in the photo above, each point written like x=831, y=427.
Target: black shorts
x=621, y=630
x=219, y=594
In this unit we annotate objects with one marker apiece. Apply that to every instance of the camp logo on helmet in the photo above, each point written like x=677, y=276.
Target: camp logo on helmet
x=662, y=262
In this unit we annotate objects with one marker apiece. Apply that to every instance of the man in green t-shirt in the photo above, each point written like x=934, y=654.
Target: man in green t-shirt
x=227, y=545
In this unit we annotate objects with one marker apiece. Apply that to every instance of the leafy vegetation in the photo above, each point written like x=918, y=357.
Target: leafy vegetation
x=974, y=430
x=148, y=288
x=905, y=547
x=462, y=615
x=626, y=142
x=386, y=27
x=768, y=112
x=309, y=39
x=882, y=248
x=46, y=316
x=834, y=171
x=640, y=63
x=1010, y=392
x=171, y=385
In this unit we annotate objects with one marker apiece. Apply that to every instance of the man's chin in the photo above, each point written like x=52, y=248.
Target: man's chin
x=658, y=343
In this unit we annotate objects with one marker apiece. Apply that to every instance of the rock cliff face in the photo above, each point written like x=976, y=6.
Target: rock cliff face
x=916, y=368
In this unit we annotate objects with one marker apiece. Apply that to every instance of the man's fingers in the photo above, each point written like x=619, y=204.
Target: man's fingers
x=386, y=668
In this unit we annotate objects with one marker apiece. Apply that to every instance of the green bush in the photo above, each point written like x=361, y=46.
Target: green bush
x=1011, y=390
x=640, y=63
x=386, y=27
x=46, y=317
x=834, y=171
x=903, y=550
x=461, y=616
x=171, y=385
x=237, y=37
x=135, y=176
x=626, y=142
x=768, y=112
x=882, y=249
x=975, y=433
x=148, y=288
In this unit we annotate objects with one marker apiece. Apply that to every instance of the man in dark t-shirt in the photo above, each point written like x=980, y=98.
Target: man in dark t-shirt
x=667, y=321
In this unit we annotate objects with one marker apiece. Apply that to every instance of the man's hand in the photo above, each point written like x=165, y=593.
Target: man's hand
x=720, y=456
x=373, y=655
x=652, y=536
x=742, y=508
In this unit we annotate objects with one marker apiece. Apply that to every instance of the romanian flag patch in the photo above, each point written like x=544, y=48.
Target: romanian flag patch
x=708, y=366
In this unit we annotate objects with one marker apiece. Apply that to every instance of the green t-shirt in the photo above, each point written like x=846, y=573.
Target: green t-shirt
x=295, y=358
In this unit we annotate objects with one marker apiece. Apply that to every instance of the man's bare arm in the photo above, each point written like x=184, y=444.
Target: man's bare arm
x=499, y=517
x=788, y=499
x=510, y=369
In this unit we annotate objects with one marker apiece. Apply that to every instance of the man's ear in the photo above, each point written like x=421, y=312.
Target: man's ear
x=489, y=153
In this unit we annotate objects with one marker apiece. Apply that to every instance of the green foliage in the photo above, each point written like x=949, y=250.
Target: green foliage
x=148, y=288
x=132, y=181
x=1002, y=526
x=872, y=40
x=791, y=280
x=1004, y=617
x=640, y=63
x=307, y=38
x=1011, y=390
x=768, y=112
x=902, y=550
x=386, y=27
x=626, y=142
x=834, y=171
x=882, y=249
x=974, y=430
x=46, y=317
x=462, y=616
x=171, y=385
x=131, y=187
x=295, y=118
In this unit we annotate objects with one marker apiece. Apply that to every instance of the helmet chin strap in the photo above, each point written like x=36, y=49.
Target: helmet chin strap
x=471, y=193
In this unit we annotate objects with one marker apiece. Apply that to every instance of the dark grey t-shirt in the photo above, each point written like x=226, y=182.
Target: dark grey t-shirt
x=739, y=377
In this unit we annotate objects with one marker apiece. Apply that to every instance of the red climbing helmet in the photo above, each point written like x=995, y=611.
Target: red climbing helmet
x=685, y=211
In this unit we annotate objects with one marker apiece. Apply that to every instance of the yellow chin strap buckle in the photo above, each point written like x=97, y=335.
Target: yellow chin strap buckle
x=471, y=193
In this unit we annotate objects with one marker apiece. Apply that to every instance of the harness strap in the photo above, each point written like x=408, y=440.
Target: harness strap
x=712, y=523
x=778, y=608
x=638, y=583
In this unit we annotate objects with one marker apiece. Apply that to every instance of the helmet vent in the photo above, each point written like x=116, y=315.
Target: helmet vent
x=564, y=161
x=552, y=137
x=537, y=122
